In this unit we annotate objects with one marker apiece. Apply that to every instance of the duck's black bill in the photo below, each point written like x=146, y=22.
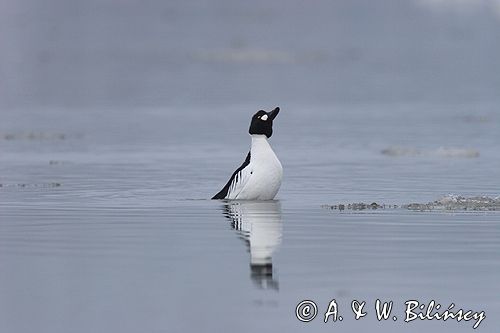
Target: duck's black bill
x=274, y=113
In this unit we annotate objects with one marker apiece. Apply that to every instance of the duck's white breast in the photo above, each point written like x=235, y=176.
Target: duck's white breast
x=266, y=172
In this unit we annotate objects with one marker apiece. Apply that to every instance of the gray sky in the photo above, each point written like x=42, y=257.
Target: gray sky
x=154, y=53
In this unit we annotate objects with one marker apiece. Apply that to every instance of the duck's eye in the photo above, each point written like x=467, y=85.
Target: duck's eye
x=264, y=117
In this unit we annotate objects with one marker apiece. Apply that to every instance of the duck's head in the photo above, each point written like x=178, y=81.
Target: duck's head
x=262, y=122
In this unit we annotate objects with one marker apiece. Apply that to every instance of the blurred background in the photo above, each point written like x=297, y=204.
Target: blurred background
x=107, y=53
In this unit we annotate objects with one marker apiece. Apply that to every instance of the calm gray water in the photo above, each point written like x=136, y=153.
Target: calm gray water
x=108, y=227
x=118, y=122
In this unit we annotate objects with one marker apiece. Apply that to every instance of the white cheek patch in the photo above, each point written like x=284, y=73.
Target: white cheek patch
x=264, y=117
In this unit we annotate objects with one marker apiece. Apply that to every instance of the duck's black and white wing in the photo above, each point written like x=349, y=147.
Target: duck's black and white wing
x=237, y=182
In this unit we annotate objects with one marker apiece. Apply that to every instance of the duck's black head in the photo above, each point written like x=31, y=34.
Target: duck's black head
x=262, y=122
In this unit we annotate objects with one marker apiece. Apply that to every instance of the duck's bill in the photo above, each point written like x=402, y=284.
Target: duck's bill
x=274, y=113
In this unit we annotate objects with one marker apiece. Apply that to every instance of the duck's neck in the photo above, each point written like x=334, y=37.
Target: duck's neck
x=259, y=144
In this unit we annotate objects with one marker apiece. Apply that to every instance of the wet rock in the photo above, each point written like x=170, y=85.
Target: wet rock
x=358, y=206
x=31, y=185
x=458, y=203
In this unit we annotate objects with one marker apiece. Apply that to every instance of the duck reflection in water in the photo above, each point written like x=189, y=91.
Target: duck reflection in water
x=259, y=225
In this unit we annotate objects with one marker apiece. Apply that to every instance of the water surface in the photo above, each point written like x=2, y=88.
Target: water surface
x=111, y=229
